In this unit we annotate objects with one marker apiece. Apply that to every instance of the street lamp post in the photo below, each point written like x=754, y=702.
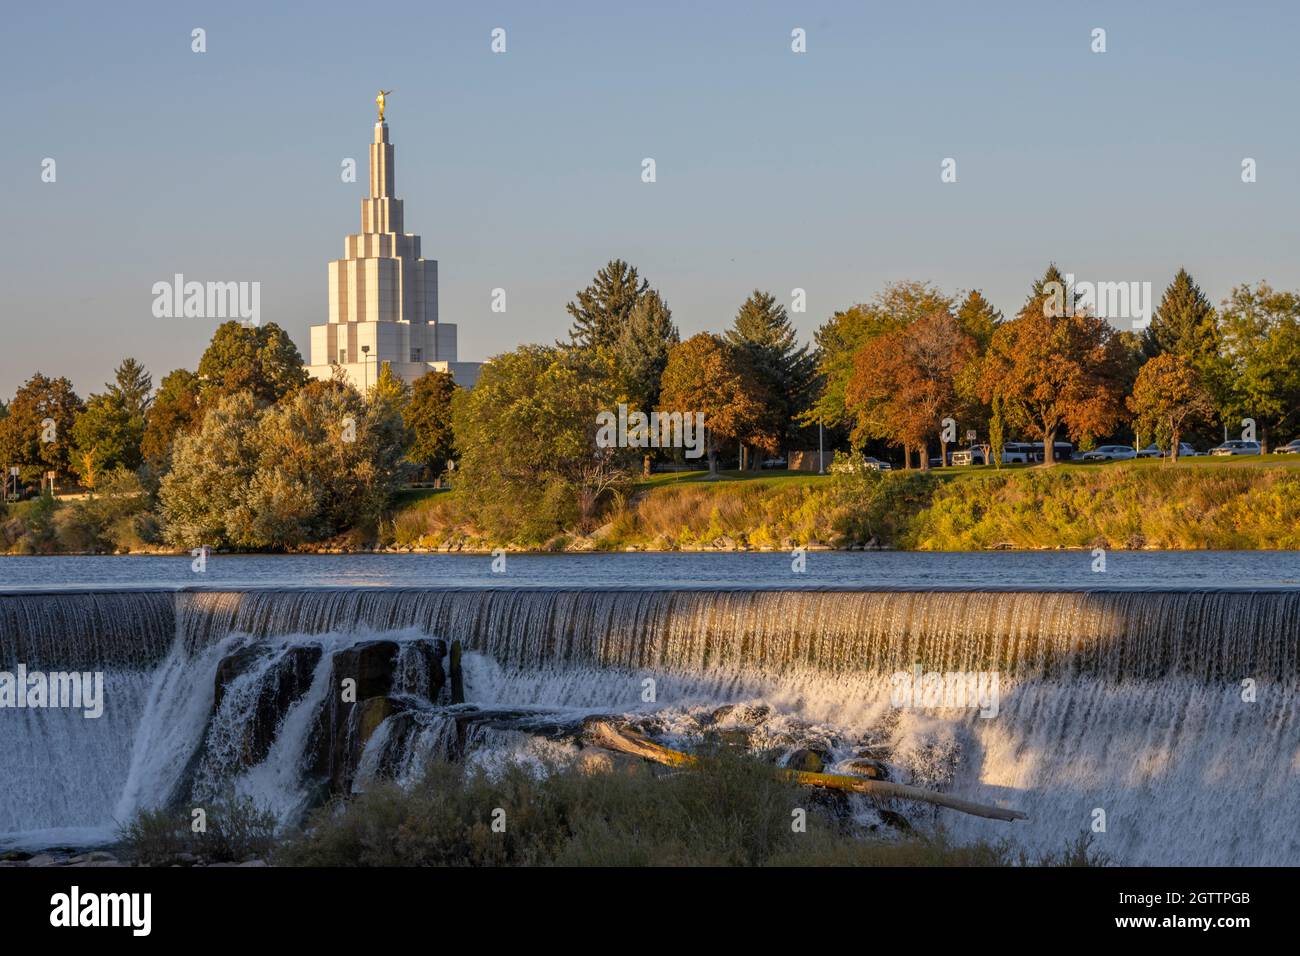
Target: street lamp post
x=365, y=367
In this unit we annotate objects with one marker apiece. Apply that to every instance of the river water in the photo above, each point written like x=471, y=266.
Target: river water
x=1055, y=570
x=1162, y=692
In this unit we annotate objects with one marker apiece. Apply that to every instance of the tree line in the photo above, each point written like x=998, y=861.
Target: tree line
x=246, y=451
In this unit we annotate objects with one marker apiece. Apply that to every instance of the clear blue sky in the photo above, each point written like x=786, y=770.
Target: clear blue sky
x=522, y=170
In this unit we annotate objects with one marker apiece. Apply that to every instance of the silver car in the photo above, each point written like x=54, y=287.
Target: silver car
x=1110, y=453
x=1236, y=448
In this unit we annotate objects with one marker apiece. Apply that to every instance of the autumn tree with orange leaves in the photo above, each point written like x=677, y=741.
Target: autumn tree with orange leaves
x=1055, y=369
x=1169, y=397
x=905, y=382
x=707, y=374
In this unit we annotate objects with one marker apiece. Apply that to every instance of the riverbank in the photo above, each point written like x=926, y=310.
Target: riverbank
x=1196, y=504
x=1199, y=504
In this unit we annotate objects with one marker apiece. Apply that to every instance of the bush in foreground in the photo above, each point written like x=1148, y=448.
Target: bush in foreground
x=730, y=811
x=235, y=830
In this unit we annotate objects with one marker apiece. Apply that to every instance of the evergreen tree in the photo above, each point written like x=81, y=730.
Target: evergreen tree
x=602, y=309
x=978, y=318
x=1040, y=290
x=784, y=369
x=641, y=350
x=1184, y=322
x=109, y=432
x=132, y=387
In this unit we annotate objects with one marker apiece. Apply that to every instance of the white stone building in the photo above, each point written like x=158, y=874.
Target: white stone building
x=383, y=295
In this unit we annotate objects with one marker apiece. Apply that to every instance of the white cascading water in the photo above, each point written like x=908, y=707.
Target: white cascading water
x=1131, y=703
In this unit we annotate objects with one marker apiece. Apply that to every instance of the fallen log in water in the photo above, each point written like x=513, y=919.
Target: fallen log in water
x=604, y=734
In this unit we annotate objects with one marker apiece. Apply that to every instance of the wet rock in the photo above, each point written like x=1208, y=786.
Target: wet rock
x=808, y=760
x=730, y=737
x=871, y=769
x=370, y=664
x=284, y=682
x=349, y=742
x=895, y=820
x=423, y=674
x=741, y=713
x=343, y=727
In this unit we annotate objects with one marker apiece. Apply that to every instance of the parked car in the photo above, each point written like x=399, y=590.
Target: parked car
x=774, y=463
x=1109, y=453
x=968, y=456
x=1290, y=448
x=1184, y=451
x=1027, y=452
x=1062, y=451
x=875, y=464
x=1236, y=447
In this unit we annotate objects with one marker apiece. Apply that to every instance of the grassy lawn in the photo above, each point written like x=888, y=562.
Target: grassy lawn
x=778, y=478
x=775, y=478
x=413, y=496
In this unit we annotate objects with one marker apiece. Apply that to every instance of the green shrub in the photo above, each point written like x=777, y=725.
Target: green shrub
x=235, y=829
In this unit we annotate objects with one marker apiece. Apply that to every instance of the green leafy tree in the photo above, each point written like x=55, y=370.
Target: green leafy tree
x=261, y=360
x=317, y=464
x=529, y=466
x=204, y=495
x=601, y=310
x=997, y=433
x=428, y=416
x=1259, y=370
x=104, y=436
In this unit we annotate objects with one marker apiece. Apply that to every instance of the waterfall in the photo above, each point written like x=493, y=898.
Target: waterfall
x=1172, y=713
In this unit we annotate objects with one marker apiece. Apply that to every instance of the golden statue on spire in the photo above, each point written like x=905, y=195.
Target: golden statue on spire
x=379, y=101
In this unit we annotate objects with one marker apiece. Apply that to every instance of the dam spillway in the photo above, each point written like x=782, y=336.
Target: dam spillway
x=1174, y=712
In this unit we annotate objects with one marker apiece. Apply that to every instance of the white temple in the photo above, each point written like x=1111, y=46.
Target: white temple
x=383, y=295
